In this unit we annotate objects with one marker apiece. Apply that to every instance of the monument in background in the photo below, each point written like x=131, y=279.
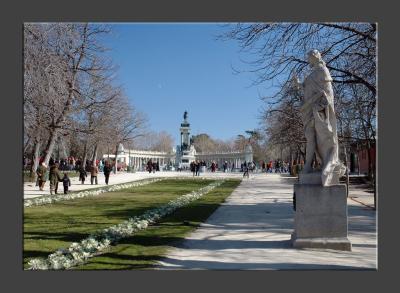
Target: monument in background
x=185, y=152
x=321, y=202
x=182, y=156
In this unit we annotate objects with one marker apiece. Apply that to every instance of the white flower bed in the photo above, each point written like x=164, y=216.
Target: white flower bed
x=47, y=199
x=78, y=253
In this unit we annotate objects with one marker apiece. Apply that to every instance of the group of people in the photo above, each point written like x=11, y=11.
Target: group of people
x=246, y=167
x=277, y=166
x=53, y=174
x=152, y=166
x=66, y=164
x=94, y=171
x=226, y=166
x=195, y=167
x=280, y=166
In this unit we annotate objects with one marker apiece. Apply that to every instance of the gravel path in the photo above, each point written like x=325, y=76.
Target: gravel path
x=31, y=191
x=251, y=230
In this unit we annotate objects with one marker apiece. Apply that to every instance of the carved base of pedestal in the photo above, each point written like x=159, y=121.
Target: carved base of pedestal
x=321, y=217
x=339, y=243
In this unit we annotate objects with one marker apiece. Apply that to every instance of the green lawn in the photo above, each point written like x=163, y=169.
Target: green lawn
x=147, y=246
x=49, y=227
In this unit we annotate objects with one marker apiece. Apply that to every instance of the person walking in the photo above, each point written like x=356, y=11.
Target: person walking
x=193, y=168
x=213, y=167
x=94, y=170
x=42, y=175
x=82, y=174
x=107, y=170
x=54, y=178
x=197, y=168
x=149, y=166
x=246, y=170
x=66, y=182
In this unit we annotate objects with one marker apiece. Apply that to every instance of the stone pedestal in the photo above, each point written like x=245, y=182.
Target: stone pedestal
x=321, y=215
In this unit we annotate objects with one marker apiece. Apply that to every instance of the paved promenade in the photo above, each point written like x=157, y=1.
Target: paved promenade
x=31, y=191
x=251, y=230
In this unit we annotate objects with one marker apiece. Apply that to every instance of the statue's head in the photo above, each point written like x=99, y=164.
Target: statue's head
x=314, y=57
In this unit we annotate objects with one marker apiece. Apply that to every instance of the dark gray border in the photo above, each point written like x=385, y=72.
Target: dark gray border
x=17, y=12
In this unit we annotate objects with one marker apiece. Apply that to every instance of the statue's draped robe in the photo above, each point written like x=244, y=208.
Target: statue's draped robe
x=318, y=114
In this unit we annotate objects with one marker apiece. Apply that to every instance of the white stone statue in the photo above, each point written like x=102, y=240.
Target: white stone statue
x=318, y=116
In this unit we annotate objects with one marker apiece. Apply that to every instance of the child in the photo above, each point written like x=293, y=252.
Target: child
x=66, y=183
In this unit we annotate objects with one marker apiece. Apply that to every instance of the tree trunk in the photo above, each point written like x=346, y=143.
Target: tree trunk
x=370, y=174
x=347, y=171
x=60, y=121
x=371, y=170
x=26, y=145
x=84, y=155
x=291, y=161
x=50, y=146
x=35, y=160
x=116, y=155
x=129, y=158
x=94, y=155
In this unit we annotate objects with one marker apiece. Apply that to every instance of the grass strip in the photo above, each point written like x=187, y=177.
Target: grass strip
x=50, y=227
x=146, y=247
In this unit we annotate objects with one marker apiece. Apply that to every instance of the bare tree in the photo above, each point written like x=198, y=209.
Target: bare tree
x=76, y=47
x=95, y=99
x=204, y=143
x=155, y=141
x=279, y=49
x=127, y=124
x=43, y=71
x=278, y=52
x=69, y=94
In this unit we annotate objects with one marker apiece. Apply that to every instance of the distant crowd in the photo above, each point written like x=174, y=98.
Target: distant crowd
x=279, y=166
x=53, y=171
x=152, y=166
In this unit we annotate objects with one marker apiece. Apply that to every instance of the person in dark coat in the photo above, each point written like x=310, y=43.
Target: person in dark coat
x=197, y=168
x=213, y=166
x=41, y=175
x=246, y=170
x=82, y=174
x=66, y=182
x=149, y=166
x=193, y=167
x=107, y=170
x=54, y=178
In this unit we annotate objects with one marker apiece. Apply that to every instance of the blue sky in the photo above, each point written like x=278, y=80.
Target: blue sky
x=166, y=69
